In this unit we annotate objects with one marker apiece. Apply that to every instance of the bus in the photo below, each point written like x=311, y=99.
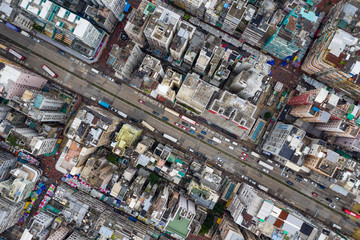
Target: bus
x=104, y=104
x=3, y=47
x=122, y=114
x=16, y=54
x=52, y=74
x=265, y=189
x=172, y=111
x=170, y=138
x=265, y=165
x=148, y=126
x=183, y=117
x=216, y=140
x=255, y=154
x=351, y=213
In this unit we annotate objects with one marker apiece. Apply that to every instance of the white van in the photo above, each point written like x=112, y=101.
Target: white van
x=193, y=128
x=235, y=143
x=231, y=147
x=227, y=140
x=270, y=161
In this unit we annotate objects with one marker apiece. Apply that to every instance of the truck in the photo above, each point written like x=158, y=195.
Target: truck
x=9, y=25
x=104, y=104
x=255, y=154
x=265, y=165
x=16, y=54
x=49, y=71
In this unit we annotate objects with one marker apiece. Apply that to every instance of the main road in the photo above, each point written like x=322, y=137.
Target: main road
x=78, y=77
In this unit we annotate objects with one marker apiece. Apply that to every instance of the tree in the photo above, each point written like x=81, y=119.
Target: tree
x=153, y=178
x=207, y=225
x=112, y=158
x=267, y=115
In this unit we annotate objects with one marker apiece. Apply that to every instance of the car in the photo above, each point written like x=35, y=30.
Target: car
x=277, y=165
x=329, y=200
x=298, y=180
x=321, y=186
x=285, y=175
x=156, y=113
x=306, y=180
x=134, y=120
x=337, y=198
x=245, y=149
x=299, y=176
x=165, y=119
x=200, y=136
x=205, y=158
x=112, y=109
x=332, y=206
x=314, y=184
x=190, y=149
x=61, y=52
x=252, y=181
x=210, y=141
x=141, y=101
x=184, y=128
x=243, y=158
x=184, y=123
x=191, y=131
x=244, y=177
x=290, y=183
x=198, y=154
x=314, y=194
x=203, y=132
x=244, y=154
x=290, y=171
x=36, y=40
x=231, y=148
x=177, y=124
x=193, y=128
x=265, y=170
x=1, y=21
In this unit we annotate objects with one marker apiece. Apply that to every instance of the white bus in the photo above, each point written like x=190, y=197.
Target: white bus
x=172, y=111
x=148, y=126
x=255, y=154
x=216, y=140
x=265, y=165
x=54, y=75
x=16, y=54
x=95, y=71
x=265, y=189
x=170, y=138
x=122, y=114
x=183, y=117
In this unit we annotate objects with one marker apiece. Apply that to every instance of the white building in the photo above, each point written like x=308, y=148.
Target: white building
x=41, y=145
x=47, y=116
x=44, y=102
x=181, y=40
x=19, y=186
x=234, y=16
x=59, y=234
x=167, y=87
x=40, y=222
x=116, y=6
x=160, y=29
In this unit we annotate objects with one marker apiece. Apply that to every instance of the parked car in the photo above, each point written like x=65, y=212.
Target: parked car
x=244, y=177
x=290, y=171
x=184, y=128
x=203, y=132
x=243, y=158
x=205, y=158
x=321, y=186
x=245, y=149
x=191, y=131
x=141, y=101
x=265, y=170
x=277, y=165
x=61, y=52
x=285, y=175
x=252, y=181
x=165, y=119
x=210, y=141
x=337, y=198
x=290, y=183
x=315, y=194
x=184, y=123
x=314, y=184
x=332, y=206
x=198, y=154
x=156, y=113
x=244, y=154
x=177, y=124
x=299, y=176
x=134, y=120
x=298, y=179
x=200, y=136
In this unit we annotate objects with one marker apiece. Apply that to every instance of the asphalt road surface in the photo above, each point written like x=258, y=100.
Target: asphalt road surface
x=78, y=77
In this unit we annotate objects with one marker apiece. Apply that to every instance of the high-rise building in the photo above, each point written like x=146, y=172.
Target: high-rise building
x=180, y=219
x=171, y=81
x=116, y=6
x=234, y=16
x=285, y=143
x=10, y=213
x=7, y=162
x=339, y=128
x=137, y=21
x=228, y=229
x=15, y=80
x=351, y=144
x=46, y=102
x=207, y=52
x=160, y=29
x=20, y=184
x=333, y=58
x=39, y=224
x=124, y=60
x=181, y=40
x=195, y=7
